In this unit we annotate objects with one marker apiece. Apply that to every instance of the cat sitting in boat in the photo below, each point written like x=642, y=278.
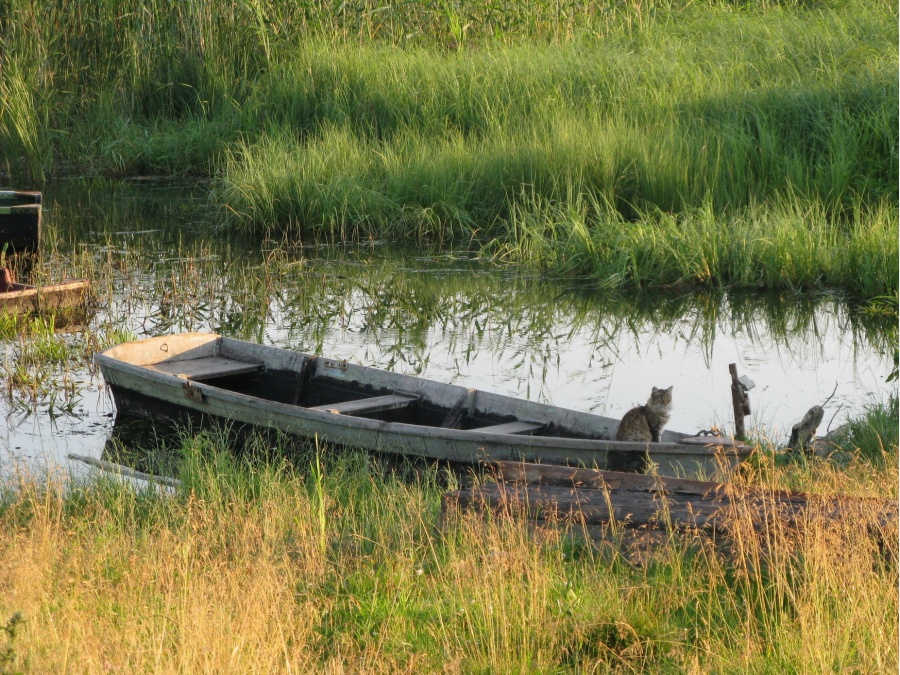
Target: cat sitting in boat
x=645, y=422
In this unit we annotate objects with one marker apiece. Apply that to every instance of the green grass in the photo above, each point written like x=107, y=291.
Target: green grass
x=472, y=121
x=787, y=245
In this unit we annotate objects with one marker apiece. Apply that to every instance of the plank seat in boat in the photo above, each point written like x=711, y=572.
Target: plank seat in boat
x=206, y=368
x=365, y=406
x=516, y=427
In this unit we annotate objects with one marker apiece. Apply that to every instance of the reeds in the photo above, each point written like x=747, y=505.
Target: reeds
x=786, y=245
x=448, y=122
x=316, y=560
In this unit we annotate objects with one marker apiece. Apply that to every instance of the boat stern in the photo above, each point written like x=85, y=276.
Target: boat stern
x=153, y=351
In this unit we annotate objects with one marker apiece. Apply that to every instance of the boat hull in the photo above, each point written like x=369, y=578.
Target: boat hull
x=134, y=373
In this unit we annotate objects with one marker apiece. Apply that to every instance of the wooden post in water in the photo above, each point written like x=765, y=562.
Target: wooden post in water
x=740, y=401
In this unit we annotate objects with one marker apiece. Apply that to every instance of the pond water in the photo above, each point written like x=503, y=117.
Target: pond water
x=158, y=266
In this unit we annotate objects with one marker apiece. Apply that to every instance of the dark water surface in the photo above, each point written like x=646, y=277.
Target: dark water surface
x=159, y=267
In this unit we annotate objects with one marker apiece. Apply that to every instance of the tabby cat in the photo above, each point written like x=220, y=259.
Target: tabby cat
x=645, y=423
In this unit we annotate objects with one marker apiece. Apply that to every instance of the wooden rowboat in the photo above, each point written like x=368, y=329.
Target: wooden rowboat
x=22, y=298
x=354, y=405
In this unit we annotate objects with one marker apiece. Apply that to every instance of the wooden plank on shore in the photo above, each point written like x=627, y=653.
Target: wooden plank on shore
x=579, y=477
x=592, y=497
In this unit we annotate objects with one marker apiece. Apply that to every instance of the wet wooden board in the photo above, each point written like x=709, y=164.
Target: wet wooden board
x=510, y=428
x=593, y=497
x=366, y=406
x=207, y=368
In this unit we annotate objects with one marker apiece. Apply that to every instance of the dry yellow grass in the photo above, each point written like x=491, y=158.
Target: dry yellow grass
x=223, y=579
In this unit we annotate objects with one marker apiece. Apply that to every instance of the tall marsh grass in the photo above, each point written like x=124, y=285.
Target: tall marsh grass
x=449, y=121
x=786, y=244
x=314, y=561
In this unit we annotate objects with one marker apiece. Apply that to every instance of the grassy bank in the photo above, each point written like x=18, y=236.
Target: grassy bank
x=570, y=135
x=333, y=562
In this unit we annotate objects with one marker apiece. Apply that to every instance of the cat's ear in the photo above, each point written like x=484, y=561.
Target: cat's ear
x=655, y=390
x=669, y=390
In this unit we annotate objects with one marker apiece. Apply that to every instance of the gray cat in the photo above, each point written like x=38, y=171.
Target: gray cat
x=645, y=423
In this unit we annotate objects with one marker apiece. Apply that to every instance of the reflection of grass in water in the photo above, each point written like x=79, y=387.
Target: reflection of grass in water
x=313, y=288
x=44, y=368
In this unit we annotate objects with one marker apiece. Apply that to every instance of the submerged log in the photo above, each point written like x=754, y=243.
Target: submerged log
x=593, y=498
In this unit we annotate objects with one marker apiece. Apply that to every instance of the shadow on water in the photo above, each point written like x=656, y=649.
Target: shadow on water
x=159, y=265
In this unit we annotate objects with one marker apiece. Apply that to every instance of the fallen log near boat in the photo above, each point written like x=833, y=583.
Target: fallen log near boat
x=353, y=405
x=593, y=499
x=122, y=470
x=20, y=221
x=22, y=298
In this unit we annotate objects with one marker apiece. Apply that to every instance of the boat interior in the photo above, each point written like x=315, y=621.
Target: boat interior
x=312, y=387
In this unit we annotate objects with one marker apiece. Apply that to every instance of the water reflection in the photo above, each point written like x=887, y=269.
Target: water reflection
x=159, y=267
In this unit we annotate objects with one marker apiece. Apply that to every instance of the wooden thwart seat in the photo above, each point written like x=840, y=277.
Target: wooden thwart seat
x=365, y=406
x=510, y=428
x=206, y=368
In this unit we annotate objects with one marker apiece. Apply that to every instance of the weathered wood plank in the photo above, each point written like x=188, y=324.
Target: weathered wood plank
x=166, y=348
x=112, y=467
x=712, y=441
x=365, y=406
x=460, y=409
x=568, y=476
x=591, y=496
x=588, y=506
x=510, y=428
x=206, y=368
x=740, y=401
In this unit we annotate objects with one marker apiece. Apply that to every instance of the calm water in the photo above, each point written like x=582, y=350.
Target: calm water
x=159, y=267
